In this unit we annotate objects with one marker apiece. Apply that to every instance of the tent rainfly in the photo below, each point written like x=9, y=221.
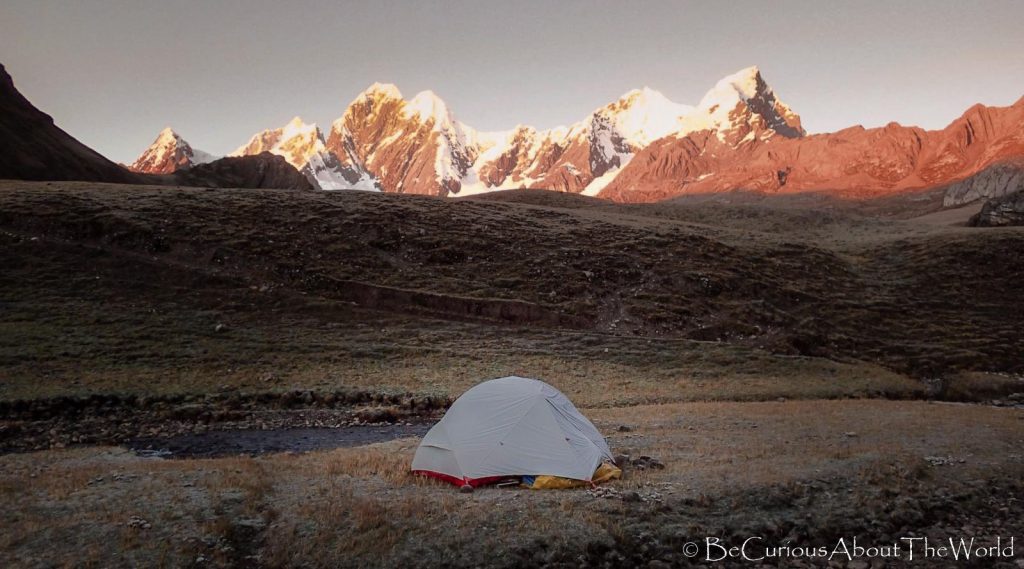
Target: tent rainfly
x=511, y=426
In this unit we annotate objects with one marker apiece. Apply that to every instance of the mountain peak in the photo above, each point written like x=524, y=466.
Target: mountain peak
x=746, y=81
x=168, y=153
x=296, y=141
x=382, y=90
x=642, y=116
x=167, y=137
x=645, y=95
x=298, y=128
x=761, y=109
x=743, y=85
x=428, y=105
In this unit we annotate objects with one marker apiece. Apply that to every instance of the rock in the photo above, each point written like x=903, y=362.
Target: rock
x=220, y=327
x=632, y=496
x=992, y=182
x=621, y=460
x=254, y=525
x=136, y=522
x=604, y=492
x=466, y=489
x=943, y=460
x=645, y=462
x=624, y=428
x=850, y=434
x=1003, y=211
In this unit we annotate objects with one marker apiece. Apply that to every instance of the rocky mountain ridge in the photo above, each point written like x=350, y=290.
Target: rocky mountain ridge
x=639, y=148
x=417, y=146
x=977, y=155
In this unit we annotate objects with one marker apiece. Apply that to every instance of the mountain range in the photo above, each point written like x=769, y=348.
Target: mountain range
x=642, y=147
x=385, y=142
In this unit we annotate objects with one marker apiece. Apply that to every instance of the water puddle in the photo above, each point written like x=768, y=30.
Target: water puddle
x=254, y=442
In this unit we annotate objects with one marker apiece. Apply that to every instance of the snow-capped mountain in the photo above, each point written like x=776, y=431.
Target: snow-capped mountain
x=413, y=146
x=385, y=142
x=977, y=154
x=741, y=107
x=169, y=153
x=586, y=156
x=581, y=157
x=397, y=140
x=640, y=147
x=302, y=145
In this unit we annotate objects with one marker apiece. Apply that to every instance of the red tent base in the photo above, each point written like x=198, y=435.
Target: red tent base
x=460, y=482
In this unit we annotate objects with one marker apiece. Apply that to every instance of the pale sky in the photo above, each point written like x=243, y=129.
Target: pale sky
x=115, y=72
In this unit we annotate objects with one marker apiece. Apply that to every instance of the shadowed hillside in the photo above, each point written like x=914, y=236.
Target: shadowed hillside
x=33, y=148
x=918, y=298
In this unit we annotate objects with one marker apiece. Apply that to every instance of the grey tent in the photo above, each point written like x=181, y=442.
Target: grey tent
x=511, y=426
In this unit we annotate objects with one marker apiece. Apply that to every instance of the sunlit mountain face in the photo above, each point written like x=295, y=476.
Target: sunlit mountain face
x=641, y=147
x=169, y=153
x=384, y=141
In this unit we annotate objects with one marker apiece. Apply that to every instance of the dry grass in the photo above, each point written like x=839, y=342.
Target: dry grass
x=593, y=370
x=978, y=386
x=360, y=506
x=389, y=463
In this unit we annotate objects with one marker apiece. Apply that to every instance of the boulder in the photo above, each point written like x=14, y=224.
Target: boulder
x=1003, y=211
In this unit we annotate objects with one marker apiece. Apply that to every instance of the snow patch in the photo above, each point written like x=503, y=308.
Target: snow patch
x=644, y=115
x=599, y=183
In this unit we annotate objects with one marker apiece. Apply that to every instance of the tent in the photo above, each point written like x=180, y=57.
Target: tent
x=511, y=426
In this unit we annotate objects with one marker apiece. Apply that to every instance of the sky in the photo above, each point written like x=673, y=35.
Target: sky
x=113, y=73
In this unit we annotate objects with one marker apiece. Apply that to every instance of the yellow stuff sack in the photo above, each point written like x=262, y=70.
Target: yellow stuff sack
x=604, y=473
x=607, y=471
